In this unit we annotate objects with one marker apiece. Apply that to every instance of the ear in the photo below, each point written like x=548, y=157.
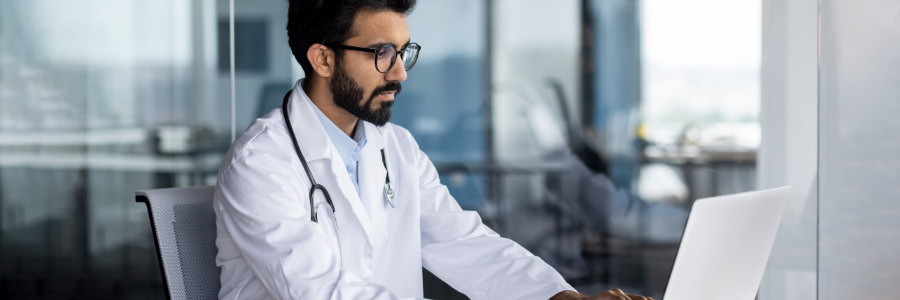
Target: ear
x=322, y=59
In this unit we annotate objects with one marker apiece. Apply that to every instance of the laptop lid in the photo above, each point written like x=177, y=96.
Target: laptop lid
x=725, y=246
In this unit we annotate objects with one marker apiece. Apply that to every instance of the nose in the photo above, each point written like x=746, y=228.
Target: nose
x=398, y=72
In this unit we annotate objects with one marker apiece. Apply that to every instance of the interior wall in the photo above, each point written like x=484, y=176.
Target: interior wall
x=829, y=103
x=859, y=169
x=787, y=154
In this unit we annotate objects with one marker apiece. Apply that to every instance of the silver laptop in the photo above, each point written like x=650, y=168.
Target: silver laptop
x=726, y=245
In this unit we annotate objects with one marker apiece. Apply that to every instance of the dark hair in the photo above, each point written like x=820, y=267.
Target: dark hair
x=330, y=21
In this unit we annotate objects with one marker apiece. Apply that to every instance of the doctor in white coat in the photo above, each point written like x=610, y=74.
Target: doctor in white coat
x=272, y=244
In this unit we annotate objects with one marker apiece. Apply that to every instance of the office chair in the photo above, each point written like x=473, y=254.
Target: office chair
x=184, y=229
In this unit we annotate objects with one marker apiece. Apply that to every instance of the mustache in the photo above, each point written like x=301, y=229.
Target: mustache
x=393, y=86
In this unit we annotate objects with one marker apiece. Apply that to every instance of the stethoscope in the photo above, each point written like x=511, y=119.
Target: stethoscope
x=388, y=191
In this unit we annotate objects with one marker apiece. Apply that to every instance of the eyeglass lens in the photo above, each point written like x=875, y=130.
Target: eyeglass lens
x=409, y=55
x=387, y=56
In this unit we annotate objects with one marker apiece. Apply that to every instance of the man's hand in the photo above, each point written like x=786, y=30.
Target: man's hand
x=615, y=294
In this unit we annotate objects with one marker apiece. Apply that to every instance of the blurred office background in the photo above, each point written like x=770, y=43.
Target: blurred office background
x=582, y=129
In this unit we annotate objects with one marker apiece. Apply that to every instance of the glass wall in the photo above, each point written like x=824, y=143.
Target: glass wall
x=264, y=66
x=443, y=103
x=584, y=138
x=788, y=153
x=859, y=212
x=99, y=99
x=829, y=95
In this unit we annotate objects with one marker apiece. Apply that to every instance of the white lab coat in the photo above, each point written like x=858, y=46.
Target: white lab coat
x=270, y=249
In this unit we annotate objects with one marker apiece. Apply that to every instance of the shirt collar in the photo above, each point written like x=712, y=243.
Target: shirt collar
x=344, y=144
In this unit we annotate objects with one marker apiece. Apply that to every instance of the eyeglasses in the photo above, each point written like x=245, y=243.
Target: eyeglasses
x=386, y=56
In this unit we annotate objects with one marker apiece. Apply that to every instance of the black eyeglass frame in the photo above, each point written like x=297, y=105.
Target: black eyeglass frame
x=375, y=51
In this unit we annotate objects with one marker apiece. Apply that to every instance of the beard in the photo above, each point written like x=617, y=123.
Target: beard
x=349, y=95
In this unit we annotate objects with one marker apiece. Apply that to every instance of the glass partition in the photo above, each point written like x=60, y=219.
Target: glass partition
x=443, y=102
x=264, y=66
x=584, y=138
x=789, y=113
x=99, y=99
x=859, y=84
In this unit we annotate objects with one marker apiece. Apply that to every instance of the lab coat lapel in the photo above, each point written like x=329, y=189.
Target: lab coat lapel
x=349, y=193
x=371, y=179
x=315, y=144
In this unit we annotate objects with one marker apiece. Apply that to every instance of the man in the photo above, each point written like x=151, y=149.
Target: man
x=385, y=214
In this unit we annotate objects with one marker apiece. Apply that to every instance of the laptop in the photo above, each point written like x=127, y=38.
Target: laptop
x=725, y=246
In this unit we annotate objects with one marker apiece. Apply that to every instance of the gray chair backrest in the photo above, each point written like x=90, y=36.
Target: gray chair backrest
x=184, y=228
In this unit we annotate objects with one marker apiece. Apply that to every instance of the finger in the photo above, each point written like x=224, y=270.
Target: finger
x=636, y=297
x=620, y=295
x=615, y=294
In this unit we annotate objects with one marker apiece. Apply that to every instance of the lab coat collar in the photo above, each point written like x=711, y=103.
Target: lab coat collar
x=373, y=136
x=311, y=137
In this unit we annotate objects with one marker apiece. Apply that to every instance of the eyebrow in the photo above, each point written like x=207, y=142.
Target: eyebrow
x=380, y=44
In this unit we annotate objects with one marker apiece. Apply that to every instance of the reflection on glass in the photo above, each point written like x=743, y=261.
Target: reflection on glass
x=858, y=147
x=442, y=102
x=539, y=129
x=699, y=128
x=98, y=99
x=569, y=172
x=263, y=59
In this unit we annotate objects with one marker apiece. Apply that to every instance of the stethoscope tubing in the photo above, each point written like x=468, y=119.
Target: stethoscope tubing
x=312, y=180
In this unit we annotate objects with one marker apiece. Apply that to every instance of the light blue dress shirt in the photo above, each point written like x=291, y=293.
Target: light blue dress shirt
x=349, y=149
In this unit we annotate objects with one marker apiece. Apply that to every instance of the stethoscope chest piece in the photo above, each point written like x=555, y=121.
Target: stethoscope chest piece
x=389, y=193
